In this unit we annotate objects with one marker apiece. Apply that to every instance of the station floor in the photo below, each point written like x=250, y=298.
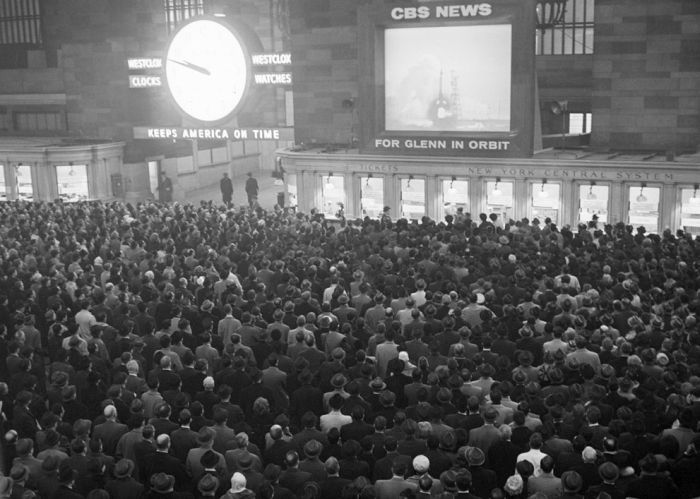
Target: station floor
x=267, y=195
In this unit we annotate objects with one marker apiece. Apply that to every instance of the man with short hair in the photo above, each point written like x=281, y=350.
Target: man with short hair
x=546, y=483
x=534, y=455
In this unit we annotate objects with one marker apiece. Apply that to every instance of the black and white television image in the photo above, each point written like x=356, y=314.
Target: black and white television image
x=448, y=78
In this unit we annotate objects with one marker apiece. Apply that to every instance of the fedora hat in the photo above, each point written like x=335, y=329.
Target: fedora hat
x=377, y=384
x=123, y=468
x=205, y=436
x=208, y=483
x=162, y=482
x=338, y=380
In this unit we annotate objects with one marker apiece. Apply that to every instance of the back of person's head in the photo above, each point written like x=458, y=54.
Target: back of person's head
x=547, y=463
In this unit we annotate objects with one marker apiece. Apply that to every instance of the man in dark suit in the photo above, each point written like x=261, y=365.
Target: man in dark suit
x=293, y=478
x=183, y=439
x=333, y=485
x=123, y=484
x=392, y=488
x=309, y=432
x=357, y=429
x=487, y=434
x=161, y=422
x=383, y=467
x=163, y=462
x=110, y=431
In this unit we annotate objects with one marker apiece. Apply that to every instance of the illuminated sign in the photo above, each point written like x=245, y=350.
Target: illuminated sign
x=144, y=81
x=145, y=63
x=273, y=78
x=213, y=133
x=271, y=59
x=447, y=78
x=441, y=11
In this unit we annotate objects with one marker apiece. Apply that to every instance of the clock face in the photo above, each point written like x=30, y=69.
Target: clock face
x=206, y=70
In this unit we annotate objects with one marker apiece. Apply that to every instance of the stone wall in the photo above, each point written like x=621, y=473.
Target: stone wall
x=646, y=75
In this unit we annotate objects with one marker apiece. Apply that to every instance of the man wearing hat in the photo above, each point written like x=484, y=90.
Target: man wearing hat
x=193, y=466
x=123, y=484
x=571, y=484
x=254, y=478
x=337, y=382
x=209, y=486
x=343, y=311
x=311, y=462
x=19, y=475
x=163, y=486
x=211, y=467
x=483, y=479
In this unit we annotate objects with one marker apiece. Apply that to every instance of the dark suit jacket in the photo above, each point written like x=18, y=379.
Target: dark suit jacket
x=355, y=430
x=110, y=432
x=294, y=479
x=332, y=487
x=64, y=492
x=181, y=441
x=166, y=463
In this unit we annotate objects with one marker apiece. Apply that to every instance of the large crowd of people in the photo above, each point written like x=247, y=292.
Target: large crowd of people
x=167, y=350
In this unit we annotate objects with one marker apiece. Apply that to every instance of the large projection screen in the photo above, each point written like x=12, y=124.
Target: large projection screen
x=448, y=78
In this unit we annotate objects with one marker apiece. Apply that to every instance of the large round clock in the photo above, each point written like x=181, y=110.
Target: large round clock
x=207, y=70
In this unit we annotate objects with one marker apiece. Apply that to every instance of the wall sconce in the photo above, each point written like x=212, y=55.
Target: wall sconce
x=452, y=189
x=591, y=195
x=496, y=190
x=695, y=199
x=642, y=198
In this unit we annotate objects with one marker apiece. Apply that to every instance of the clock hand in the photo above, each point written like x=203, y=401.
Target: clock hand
x=192, y=66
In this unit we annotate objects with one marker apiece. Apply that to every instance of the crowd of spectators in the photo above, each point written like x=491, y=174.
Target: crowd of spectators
x=179, y=351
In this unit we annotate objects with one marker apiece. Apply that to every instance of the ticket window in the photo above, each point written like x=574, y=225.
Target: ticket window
x=545, y=201
x=690, y=211
x=644, y=207
x=3, y=184
x=333, y=194
x=412, y=198
x=72, y=182
x=455, y=195
x=371, y=196
x=499, y=200
x=593, y=200
x=23, y=177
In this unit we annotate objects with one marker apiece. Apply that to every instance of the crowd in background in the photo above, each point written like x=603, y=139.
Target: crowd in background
x=177, y=351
